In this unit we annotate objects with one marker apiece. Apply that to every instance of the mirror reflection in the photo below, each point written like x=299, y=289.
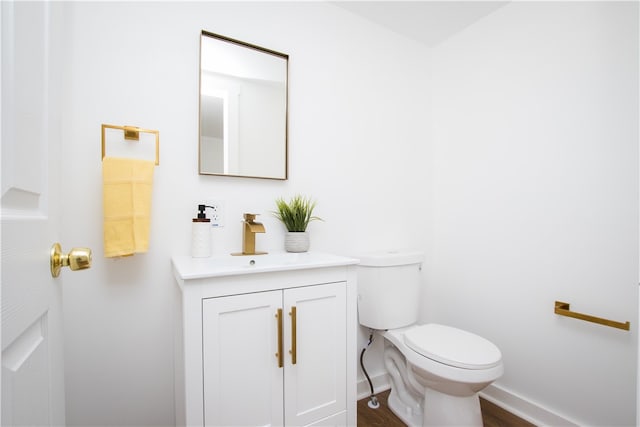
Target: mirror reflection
x=243, y=109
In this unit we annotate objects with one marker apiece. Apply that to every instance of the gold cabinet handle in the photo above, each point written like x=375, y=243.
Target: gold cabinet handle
x=279, y=354
x=294, y=344
x=563, y=309
x=76, y=259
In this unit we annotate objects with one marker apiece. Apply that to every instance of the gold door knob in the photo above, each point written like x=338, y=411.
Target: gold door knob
x=76, y=259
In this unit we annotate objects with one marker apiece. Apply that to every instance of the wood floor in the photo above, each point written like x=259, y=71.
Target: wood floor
x=492, y=415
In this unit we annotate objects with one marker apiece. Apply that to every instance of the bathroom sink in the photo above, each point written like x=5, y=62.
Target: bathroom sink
x=228, y=265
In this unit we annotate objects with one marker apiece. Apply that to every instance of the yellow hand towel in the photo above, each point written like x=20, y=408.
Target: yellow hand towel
x=127, y=185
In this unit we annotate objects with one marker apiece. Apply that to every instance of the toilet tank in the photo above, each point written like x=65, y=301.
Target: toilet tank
x=389, y=288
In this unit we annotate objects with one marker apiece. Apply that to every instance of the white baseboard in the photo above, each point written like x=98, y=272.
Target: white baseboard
x=519, y=406
x=523, y=408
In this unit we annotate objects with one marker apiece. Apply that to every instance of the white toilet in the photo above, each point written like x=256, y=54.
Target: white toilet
x=436, y=371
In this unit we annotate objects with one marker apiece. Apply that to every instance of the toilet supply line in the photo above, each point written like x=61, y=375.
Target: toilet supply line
x=373, y=400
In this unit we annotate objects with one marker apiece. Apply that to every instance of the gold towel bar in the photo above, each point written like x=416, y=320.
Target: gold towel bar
x=563, y=309
x=132, y=133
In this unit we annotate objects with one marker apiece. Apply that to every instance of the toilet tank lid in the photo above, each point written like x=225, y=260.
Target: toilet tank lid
x=390, y=258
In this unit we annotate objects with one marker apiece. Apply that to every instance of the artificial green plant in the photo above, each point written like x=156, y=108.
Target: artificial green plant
x=297, y=213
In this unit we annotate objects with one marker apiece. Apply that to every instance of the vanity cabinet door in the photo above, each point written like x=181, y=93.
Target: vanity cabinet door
x=242, y=380
x=315, y=385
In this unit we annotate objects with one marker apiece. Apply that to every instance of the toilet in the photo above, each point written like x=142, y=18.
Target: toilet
x=436, y=371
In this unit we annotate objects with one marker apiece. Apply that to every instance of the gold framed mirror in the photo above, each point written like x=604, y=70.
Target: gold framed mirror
x=243, y=111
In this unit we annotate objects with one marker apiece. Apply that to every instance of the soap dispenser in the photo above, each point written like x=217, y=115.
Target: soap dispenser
x=201, y=235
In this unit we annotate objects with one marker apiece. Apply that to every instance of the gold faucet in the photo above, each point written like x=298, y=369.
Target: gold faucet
x=249, y=230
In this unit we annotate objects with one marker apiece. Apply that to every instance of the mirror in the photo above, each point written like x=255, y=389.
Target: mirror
x=243, y=109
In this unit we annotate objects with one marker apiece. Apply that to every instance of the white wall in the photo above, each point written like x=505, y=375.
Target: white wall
x=357, y=138
x=535, y=199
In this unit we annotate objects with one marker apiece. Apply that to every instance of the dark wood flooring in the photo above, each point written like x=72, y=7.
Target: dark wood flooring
x=492, y=415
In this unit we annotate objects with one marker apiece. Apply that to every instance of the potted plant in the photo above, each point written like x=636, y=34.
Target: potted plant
x=296, y=214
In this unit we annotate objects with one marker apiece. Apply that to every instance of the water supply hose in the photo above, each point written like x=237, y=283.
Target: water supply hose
x=373, y=400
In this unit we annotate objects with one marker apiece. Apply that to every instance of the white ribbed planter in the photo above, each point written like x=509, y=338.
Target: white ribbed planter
x=296, y=241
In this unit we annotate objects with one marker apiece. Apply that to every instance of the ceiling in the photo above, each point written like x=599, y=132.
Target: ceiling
x=429, y=22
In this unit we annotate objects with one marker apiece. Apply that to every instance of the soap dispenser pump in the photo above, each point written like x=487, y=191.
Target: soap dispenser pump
x=201, y=234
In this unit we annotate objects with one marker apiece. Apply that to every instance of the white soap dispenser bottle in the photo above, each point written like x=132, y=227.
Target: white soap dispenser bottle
x=201, y=235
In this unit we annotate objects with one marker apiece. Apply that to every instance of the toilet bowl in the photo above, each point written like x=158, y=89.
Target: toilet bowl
x=445, y=367
x=436, y=371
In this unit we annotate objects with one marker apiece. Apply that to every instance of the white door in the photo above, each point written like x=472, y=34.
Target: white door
x=315, y=349
x=241, y=369
x=32, y=363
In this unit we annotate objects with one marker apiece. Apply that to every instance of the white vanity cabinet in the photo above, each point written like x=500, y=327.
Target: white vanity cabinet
x=266, y=342
x=249, y=345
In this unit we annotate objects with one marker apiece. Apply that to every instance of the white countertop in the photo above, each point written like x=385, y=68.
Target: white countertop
x=188, y=267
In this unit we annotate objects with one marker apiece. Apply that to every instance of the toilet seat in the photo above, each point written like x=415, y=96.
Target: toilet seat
x=452, y=346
